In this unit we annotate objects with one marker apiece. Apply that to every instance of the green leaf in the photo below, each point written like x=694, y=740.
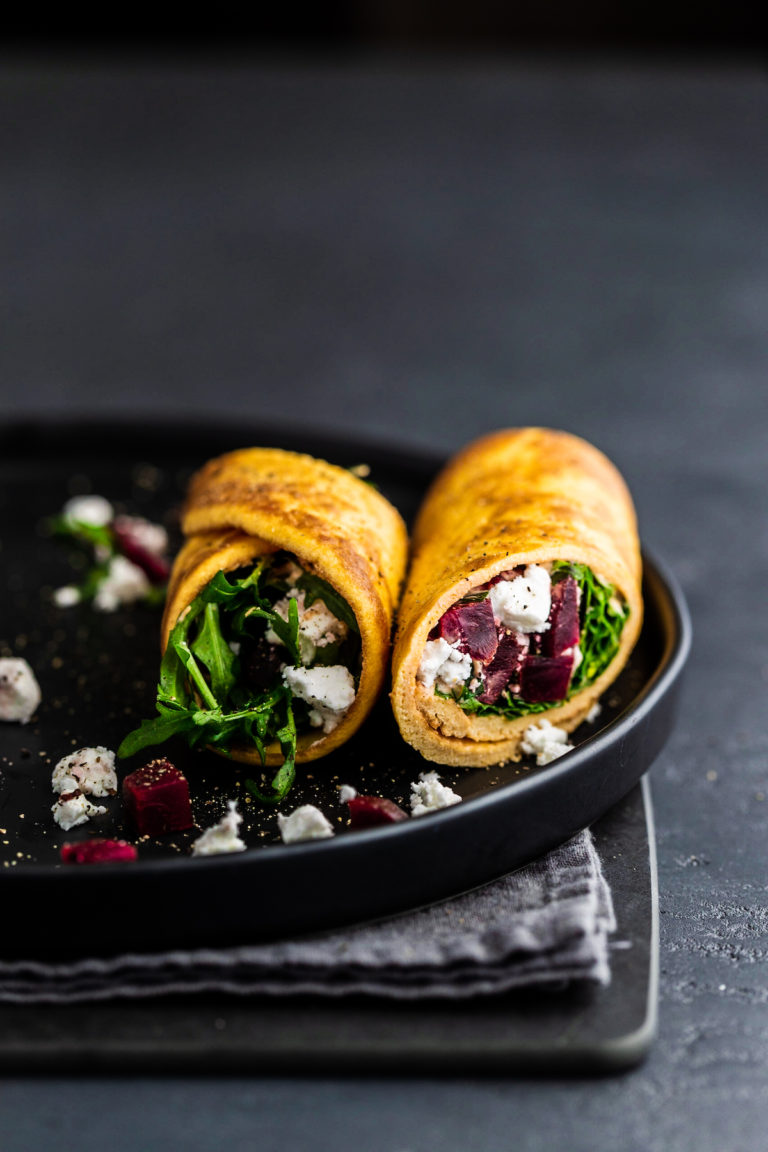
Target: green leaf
x=286, y=630
x=316, y=589
x=211, y=647
x=155, y=731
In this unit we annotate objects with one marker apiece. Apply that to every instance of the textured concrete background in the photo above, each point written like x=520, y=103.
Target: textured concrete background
x=419, y=253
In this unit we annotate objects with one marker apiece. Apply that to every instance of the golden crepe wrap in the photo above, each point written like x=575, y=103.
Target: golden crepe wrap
x=516, y=497
x=258, y=500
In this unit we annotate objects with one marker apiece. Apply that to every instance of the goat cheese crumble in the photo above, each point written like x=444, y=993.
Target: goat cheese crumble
x=442, y=664
x=429, y=795
x=329, y=691
x=73, y=808
x=93, y=510
x=318, y=626
x=347, y=793
x=523, y=604
x=20, y=692
x=91, y=770
x=304, y=823
x=222, y=837
x=124, y=583
x=545, y=741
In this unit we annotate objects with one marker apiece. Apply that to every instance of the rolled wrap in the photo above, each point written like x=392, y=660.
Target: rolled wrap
x=515, y=497
x=258, y=500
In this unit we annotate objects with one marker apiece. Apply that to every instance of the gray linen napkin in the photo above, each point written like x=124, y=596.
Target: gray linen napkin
x=544, y=925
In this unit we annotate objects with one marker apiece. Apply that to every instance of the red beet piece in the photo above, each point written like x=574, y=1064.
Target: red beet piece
x=366, y=811
x=504, y=668
x=155, y=568
x=564, y=630
x=473, y=626
x=156, y=798
x=545, y=679
x=97, y=852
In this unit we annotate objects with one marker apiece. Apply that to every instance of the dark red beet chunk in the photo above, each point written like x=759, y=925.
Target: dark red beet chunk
x=155, y=568
x=97, y=852
x=366, y=811
x=473, y=626
x=156, y=798
x=545, y=679
x=564, y=630
x=504, y=668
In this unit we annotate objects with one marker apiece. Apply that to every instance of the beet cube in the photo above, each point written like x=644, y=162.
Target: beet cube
x=156, y=798
x=564, y=629
x=505, y=667
x=473, y=626
x=97, y=852
x=367, y=811
x=545, y=679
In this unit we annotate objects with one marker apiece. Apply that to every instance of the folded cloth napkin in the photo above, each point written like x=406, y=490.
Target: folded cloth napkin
x=544, y=925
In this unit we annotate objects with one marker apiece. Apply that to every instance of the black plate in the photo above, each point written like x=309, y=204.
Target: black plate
x=97, y=673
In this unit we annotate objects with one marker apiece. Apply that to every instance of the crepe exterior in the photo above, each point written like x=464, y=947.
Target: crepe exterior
x=260, y=500
x=515, y=497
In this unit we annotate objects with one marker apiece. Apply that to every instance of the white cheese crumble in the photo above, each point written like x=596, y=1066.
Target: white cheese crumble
x=91, y=770
x=73, y=808
x=329, y=692
x=594, y=712
x=318, y=626
x=19, y=690
x=347, y=793
x=124, y=583
x=304, y=823
x=545, y=741
x=523, y=603
x=67, y=596
x=428, y=794
x=443, y=664
x=94, y=510
x=222, y=837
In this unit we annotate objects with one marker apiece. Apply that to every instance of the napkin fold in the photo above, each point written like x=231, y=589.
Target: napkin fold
x=545, y=925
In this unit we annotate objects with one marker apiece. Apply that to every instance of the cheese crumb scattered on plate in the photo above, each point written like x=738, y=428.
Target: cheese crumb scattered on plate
x=91, y=770
x=545, y=741
x=73, y=808
x=304, y=823
x=19, y=690
x=222, y=837
x=429, y=795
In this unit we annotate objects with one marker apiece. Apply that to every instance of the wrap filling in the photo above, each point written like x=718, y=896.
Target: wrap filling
x=525, y=641
x=261, y=656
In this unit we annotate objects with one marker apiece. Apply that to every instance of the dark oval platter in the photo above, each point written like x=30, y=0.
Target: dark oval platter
x=98, y=672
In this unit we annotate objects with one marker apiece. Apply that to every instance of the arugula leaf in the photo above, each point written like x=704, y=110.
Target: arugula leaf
x=316, y=589
x=286, y=774
x=286, y=630
x=155, y=731
x=211, y=647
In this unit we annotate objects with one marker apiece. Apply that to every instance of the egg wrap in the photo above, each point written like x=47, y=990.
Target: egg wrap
x=518, y=496
x=253, y=501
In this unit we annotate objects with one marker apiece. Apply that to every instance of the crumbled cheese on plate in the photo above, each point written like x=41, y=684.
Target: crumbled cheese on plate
x=73, y=808
x=429, y=795
x=19, y=690
x=304, y=823
x=91, y=770
x=222, y=837
x=545, y=741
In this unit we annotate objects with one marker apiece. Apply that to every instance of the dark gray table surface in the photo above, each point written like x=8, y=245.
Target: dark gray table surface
x=420, y=252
